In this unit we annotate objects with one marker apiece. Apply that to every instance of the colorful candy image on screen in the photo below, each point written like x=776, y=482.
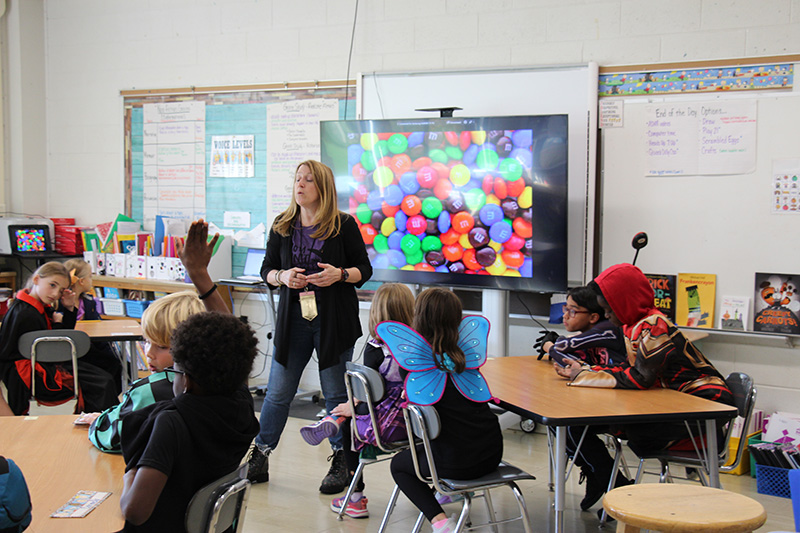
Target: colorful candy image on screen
x=31, y=240
x=454, y=197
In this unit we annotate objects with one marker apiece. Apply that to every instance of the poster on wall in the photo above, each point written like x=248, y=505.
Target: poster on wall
x=786, y=186
x=232, y=156
x=174, y=161
x=292, y=137
x=700, y=138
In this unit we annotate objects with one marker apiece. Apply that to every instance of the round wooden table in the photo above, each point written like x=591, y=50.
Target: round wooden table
x=679, y=508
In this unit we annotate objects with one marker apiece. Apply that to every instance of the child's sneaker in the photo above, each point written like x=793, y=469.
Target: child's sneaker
x=446, y=527
x=444, y=499
x=354, y=509
x=319, y=431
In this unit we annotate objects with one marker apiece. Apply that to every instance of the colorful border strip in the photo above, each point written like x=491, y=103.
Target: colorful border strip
x=703, y=80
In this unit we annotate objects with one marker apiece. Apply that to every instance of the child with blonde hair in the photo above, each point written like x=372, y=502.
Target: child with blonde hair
x=392, y=301
x=100, y=354
x=33, y=310
x=159, y=320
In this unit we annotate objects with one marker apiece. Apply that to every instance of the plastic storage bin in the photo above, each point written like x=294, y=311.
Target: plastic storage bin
x=135, y=308
x=773, y=481
x=113, y=306
x=753, y=440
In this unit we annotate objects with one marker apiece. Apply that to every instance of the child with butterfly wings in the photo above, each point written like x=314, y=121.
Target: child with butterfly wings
x=443, y=356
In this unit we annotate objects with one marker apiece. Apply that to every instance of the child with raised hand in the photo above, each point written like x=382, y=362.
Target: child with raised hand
x=392, y=301
x=470, y=443
x=100, y=354
x=175, y=447
x=159, y=320
x=599, y=342
x=32, y=310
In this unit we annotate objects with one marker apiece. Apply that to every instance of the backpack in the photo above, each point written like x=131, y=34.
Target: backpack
x=15, y=500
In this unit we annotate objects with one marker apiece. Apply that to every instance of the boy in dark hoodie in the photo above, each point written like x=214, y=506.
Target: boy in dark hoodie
x=658, y=356
x=175, y=447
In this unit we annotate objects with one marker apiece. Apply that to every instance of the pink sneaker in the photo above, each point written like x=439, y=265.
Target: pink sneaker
x=319, y=431
x=354, y=509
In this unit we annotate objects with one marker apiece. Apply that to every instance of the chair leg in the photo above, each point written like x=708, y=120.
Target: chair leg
x=490, y=509
x=665, y=475
x=418, y=523
x=350, y=490
x=389, y=509
x=464, y=516
x=639, y=471
x=551, y=464
x=523, y=508
x=614, y=473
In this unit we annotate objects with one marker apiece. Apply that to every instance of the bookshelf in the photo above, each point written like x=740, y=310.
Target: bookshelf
x=148, y=285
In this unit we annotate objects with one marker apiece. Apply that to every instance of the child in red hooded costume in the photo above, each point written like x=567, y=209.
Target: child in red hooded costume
x=658, y=356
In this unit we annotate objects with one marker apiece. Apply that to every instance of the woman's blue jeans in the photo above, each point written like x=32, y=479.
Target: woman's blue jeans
x=304, y=338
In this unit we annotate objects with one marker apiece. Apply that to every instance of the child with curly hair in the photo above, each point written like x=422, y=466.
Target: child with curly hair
x=210, y=422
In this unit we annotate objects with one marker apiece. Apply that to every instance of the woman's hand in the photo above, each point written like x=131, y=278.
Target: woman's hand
x=327, y=276
x=294, y=278
x=570, y=369
x=343, y=409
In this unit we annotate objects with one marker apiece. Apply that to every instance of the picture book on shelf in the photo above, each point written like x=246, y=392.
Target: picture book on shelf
x=695, y=299
x=664, y=289
x=776, y=303
x=734, y=312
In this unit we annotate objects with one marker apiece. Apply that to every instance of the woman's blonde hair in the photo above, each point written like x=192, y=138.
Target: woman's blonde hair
x=327, y=217
x=437, y=317
x=392, y=301
x=161, y=318
x=51, y=268
x=82, y=268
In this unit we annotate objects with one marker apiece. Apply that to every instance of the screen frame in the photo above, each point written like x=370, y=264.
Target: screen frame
x=554, y=276
x=12, y=229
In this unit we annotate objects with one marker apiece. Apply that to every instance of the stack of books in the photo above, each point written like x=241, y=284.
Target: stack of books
x=68, y=237
x=777, y=455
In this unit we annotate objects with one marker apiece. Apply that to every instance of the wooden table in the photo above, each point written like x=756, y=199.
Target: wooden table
x=532, y=389
x=57, y=461
x=116, y=331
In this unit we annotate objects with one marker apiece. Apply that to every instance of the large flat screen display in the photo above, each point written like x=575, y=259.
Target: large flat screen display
x=475, y=202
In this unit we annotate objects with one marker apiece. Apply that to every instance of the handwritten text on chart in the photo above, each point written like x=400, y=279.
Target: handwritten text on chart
x=700, y=138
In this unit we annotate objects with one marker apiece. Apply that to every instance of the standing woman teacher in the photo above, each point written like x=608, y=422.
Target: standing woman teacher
x=316, y=255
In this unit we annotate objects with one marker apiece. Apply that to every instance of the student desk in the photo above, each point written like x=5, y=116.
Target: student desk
x=532, y=388
x=113, y=331
x=57, y=461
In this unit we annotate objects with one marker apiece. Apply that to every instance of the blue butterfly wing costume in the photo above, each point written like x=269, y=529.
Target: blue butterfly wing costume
x=425, y=382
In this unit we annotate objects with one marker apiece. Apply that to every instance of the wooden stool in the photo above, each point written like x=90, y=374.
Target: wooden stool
x=9, y=279
x=682, y=508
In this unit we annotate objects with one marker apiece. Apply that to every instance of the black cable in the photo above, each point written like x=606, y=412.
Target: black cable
x=349, y=58
x=529, y=311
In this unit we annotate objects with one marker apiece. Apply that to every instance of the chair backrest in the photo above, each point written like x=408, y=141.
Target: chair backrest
x=220, y=505
x=54, y=346
x=744, y=397
x=366, y=385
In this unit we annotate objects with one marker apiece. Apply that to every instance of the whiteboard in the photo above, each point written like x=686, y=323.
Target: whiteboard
x=716, y=224
x=568, y=90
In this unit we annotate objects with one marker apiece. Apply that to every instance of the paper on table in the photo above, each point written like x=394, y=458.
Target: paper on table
x=80, y=505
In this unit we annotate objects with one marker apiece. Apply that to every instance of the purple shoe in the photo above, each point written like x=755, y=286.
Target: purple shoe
x=319, y=431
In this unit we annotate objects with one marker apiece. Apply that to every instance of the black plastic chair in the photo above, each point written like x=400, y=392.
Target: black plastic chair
x=219, y=506
x=54, y=346
x=744, y=396
x=423, y=422
x=366, y=385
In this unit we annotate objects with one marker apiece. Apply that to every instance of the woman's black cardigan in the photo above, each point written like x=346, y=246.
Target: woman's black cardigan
x=337, y=303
